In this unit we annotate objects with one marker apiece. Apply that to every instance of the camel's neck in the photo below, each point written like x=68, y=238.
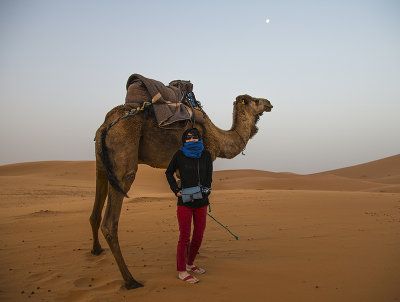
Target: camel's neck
x=230, y=143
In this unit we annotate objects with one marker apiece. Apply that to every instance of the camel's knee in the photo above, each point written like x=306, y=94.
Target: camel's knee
x=94, y=221
x=108, y=231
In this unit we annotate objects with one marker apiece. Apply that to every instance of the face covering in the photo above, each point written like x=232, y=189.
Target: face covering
x=193, y=149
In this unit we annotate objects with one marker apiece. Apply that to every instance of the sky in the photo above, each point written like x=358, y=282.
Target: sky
x=331, y=69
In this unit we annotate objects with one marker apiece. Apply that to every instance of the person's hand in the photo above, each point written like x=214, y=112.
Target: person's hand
x=206, y=191
x=179, y=194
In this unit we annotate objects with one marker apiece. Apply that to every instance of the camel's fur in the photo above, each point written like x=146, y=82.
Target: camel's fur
x=138, y=140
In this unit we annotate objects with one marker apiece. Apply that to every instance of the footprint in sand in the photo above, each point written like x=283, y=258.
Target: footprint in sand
x=84, y=282
x=98, y=258
x=43, y=276
x=98, y=283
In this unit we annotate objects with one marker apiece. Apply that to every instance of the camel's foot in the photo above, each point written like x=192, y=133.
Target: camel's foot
x=97, y=251
x=133, y=284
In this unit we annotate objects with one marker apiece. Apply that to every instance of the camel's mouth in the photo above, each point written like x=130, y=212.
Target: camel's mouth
x=267, y=105
x=268, y=108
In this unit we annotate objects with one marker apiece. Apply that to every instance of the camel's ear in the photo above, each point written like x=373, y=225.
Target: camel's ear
x=244, y=102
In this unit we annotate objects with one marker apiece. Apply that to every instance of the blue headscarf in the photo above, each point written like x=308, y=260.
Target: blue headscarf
x=193, y=149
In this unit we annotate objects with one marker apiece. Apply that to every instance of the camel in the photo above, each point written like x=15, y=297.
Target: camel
x=139, y=140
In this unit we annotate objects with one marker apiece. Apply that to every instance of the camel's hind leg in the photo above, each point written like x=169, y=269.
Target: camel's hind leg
x=123, y=147
x=109, y=228
x=95, y=218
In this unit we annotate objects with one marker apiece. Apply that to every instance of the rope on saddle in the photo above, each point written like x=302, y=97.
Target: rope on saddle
x=226, y=228
x=131, y=112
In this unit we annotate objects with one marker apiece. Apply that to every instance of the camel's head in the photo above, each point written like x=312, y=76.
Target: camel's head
x=257, y=106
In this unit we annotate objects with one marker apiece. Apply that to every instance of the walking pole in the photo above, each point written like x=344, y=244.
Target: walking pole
x=236, y=237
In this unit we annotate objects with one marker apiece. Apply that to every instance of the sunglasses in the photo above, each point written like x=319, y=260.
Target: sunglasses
x=192, y=136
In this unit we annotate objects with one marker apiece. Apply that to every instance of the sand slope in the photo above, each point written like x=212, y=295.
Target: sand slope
x=331, y=236
x=378, y=176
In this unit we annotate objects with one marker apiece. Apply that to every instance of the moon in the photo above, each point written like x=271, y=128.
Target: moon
x=267, y=21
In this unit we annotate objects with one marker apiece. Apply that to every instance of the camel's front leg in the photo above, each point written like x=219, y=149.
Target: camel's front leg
x=109, y=228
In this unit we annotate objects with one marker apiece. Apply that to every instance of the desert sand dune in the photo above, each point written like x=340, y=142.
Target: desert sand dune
x=382, y=168
x=331, y=236
x=381, y=175
x=81, y=170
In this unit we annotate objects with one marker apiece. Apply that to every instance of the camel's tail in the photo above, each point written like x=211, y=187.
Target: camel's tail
x=108, y=166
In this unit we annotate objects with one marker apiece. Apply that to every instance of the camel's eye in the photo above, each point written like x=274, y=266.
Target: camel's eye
x=256, y=101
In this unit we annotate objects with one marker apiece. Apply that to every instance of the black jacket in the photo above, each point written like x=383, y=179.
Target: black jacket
x=189, y=177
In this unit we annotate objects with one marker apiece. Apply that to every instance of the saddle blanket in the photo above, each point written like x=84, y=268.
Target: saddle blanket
x=168, y=108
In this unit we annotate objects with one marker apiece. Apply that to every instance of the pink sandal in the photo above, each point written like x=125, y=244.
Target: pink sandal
x=190, y=279
x=197, y=270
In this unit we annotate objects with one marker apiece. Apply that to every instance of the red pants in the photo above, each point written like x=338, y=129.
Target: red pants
x=185, y=214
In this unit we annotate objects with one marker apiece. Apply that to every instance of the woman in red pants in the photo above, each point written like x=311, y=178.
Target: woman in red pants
x=195, y=168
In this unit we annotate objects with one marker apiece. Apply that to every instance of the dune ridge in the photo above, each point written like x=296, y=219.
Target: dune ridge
x=378, y=176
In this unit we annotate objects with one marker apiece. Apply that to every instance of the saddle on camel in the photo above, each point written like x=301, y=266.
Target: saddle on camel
x=173, y=106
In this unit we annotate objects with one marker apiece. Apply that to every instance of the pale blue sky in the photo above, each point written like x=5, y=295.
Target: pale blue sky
x=330, y=68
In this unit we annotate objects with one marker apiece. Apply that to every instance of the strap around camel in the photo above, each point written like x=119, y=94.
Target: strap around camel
x=131, y=112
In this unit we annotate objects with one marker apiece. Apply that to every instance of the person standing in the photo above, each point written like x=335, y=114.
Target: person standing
x=195, y=169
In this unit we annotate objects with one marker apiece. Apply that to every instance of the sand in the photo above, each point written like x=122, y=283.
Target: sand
x=332, y=236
